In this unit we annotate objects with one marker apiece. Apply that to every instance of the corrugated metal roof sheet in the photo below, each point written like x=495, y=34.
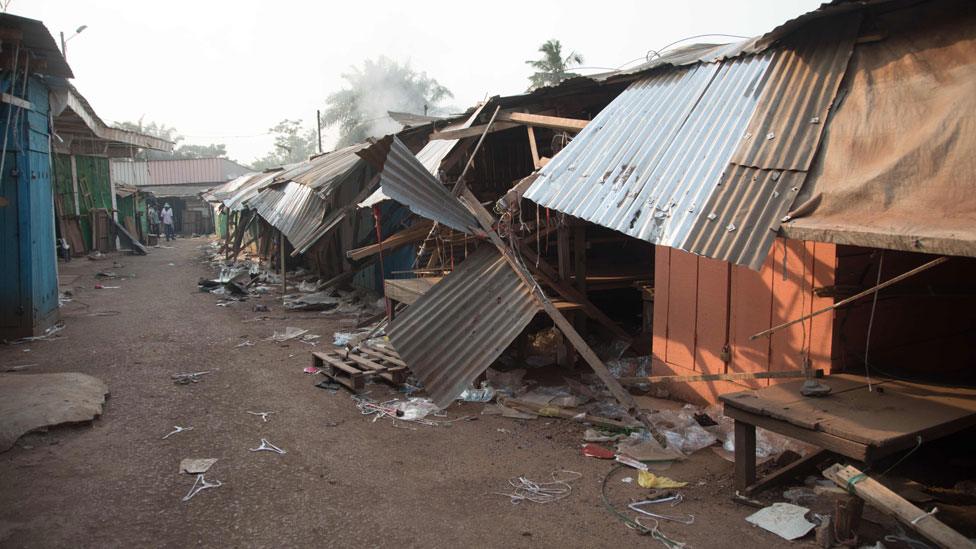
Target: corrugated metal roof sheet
x=174, y=190
x=294, y=209
x=176, y=172
x=431, y=156
x=659, y=162
x=407, y=181
x=328, y=171
x=647, y=163
x=250, y=189
x=457, y=329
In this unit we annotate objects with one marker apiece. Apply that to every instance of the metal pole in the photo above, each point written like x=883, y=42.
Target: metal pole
x=64, y=47
x=318, y=121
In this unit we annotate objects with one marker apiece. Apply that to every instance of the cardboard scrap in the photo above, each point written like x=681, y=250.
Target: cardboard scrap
x=195, y=466
x=786, y=520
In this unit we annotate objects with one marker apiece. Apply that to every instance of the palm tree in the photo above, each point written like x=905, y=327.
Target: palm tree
x=553, y=68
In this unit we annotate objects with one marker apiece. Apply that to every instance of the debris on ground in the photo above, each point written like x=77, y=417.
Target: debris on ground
x=190, y=377
x=199, y=485
x=786, y=520
x=288, y=333
x=34, y=401
x=194, y=466
x=524, y=489
x=266, y=446
x=176, y=429
x=264, y=415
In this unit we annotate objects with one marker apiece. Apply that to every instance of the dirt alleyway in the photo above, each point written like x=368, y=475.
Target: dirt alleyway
x=344, y=481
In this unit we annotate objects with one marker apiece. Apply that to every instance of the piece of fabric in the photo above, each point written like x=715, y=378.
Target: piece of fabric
x=896, y=167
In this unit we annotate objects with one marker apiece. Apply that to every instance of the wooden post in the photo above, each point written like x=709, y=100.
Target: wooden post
x=533, y=148
x=281, y=253
x=564, y=354
x=579, y=268
x=745, y=455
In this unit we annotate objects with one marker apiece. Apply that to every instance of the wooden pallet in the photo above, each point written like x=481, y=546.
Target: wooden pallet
x=352, y=369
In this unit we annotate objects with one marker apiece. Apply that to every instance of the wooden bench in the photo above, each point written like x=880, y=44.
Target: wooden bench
x=851, y=421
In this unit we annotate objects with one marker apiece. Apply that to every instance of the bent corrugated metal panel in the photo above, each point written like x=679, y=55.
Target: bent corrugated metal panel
x=457, y=329
x=294, y=209
x=328, y=171
x=250, y=189
x=404, y=179
x=431, y=156
x=649, y=161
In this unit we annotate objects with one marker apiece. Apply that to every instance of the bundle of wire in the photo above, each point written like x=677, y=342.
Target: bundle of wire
x=524, y=489
x=636, y=523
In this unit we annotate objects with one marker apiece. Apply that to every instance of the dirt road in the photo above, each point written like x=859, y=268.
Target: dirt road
x=345, y=480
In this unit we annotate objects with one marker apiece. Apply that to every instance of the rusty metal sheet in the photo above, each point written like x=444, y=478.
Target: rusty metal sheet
x=404, y=179
x=328, y=171
x=457, y=329
x=801, y=86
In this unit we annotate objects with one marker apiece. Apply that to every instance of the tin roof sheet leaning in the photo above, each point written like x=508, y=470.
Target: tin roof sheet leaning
x=407, y=181
x=457, y=329
x=328, y=171
x=431, y=156
x=651, y=164
x=295, y=210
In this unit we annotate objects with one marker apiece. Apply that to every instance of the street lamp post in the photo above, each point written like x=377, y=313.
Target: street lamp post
x=64, y=41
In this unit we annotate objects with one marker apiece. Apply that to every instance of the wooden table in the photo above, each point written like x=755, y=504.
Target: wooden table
x=850, y=421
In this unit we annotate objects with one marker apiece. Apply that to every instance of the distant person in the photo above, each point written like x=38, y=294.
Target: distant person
x=153, y=220
x=167, y=217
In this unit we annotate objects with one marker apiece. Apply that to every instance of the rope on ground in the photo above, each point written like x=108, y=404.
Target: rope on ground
x=636, y=524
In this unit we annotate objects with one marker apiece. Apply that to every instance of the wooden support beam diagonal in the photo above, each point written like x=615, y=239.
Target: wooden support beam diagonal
x=543, y=121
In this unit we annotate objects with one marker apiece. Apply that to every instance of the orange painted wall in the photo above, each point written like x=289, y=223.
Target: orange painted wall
x=705, y=310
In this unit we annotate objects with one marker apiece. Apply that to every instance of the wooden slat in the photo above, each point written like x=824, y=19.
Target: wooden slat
x=371, y=352
x=473, y=131
x=882, y=498
x=543, y=121
x=842, y=446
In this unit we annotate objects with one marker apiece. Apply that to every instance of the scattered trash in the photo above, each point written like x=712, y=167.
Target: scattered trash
x=675, y=499
x=312, y=370
x=186, y=379
x=595, y=435
x=800, y=496
x=485, y=394
x=415, y=408
x=199, y=485
x=264, y=415
x=647, y=479
x=310, y=339
x=245, y=343
x=267, y=446
x=597, y=451
x=627, y=480
x=101, y=287
x=786, y=520
x=541, y=492
x=48, y=333
x=342, y=339
x=177, y=429
x=507, y=431
x=321, y=301
x=289, y=333
x=17, y=367
x=196, y=466
x=259, y=308
x=328, y=385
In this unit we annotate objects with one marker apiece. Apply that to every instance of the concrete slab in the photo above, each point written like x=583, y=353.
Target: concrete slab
x=33, y=401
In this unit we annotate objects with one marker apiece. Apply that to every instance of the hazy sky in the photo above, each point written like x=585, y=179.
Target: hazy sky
x=226, y=71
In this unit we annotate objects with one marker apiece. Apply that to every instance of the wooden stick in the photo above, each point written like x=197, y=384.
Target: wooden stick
x=865, y=293
x=458, y=187
x=716, y=377
x=876, y=494
x=550, y=410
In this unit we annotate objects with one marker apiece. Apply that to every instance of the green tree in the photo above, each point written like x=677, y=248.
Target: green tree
x=292, y=143
x=552, y=68
x=381, y=85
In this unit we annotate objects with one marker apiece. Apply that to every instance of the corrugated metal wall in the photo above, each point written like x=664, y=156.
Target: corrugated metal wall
x=705, y=310
x=94, y=188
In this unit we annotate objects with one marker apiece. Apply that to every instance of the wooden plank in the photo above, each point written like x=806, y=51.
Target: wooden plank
x=337, y=362
x=473, y=131
x=681, y=320
x=715, y=377
x=745, y=454
x=882, y=498
x=548, y=276
x=712, y=320
x=798, y=467
x=381, y=356
x=842, y=446
x=543, y=121
x=16, y=101
x=533, y=147
x=662, y=292
x=550, y=410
